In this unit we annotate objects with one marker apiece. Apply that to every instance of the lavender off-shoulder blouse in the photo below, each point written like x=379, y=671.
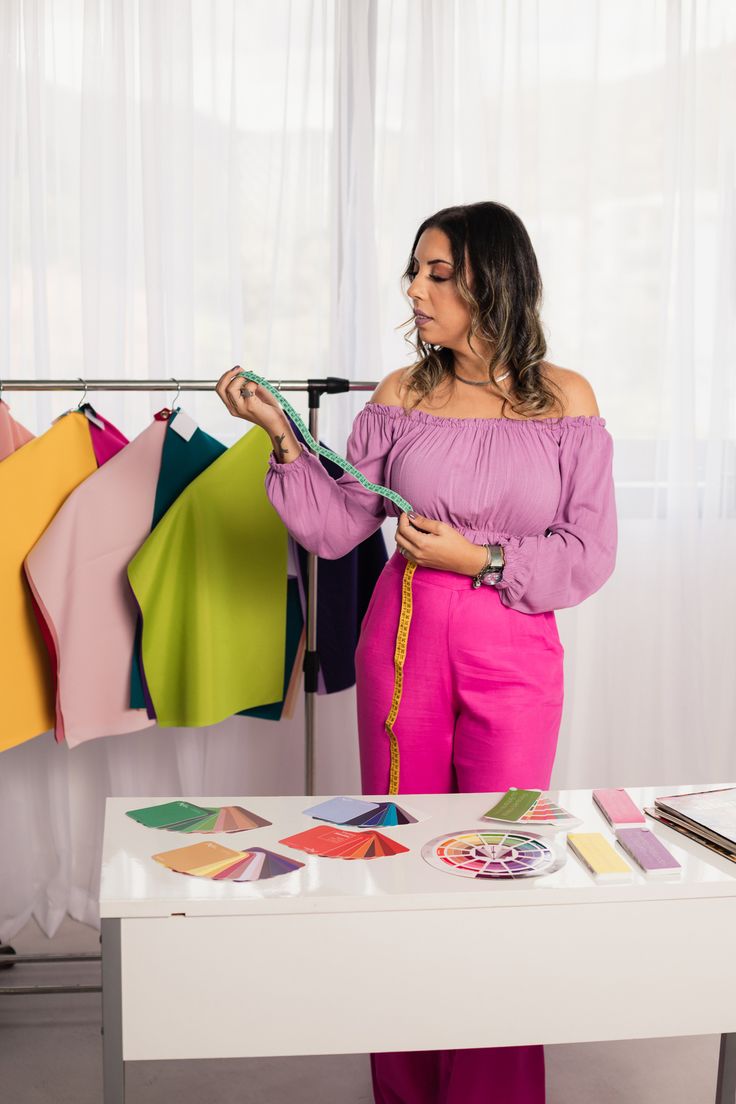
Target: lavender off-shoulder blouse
x=543, y=488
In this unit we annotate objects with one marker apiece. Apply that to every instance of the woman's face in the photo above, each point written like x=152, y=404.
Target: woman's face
x=434, y=294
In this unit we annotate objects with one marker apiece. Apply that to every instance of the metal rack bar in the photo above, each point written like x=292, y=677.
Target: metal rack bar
x=165, y=385
x=42, y=990
x=42, y=958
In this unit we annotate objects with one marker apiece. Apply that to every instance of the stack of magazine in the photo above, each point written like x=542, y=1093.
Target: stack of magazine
x=707, y=816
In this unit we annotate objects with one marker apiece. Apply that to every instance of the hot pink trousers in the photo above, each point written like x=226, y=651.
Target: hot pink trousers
x=480, y=711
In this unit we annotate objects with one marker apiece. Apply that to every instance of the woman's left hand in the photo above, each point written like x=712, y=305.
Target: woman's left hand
x=439, y=545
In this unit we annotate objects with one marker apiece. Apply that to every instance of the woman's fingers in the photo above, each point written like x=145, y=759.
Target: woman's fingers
x=223, y=386
x=403, y=536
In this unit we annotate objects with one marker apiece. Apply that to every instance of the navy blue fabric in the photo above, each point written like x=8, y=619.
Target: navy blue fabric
x=344, y=589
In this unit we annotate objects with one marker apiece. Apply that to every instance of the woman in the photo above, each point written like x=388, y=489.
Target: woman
x=510, y=463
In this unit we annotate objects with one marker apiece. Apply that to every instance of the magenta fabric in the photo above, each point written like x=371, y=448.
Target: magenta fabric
x=480, y=711
x=77, y=572
x=13, y=435
x=482, y=690
x=498, y=1075
x=542, y=488
x=106, y=442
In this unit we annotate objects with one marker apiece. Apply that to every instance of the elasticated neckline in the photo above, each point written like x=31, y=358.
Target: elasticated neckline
x=393, y=411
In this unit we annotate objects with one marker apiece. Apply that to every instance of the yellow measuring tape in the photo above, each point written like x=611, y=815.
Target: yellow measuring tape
x=402, y=634
x=399, y=656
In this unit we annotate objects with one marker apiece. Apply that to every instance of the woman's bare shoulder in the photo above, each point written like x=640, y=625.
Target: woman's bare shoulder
x=390, y=390
x=575, y=392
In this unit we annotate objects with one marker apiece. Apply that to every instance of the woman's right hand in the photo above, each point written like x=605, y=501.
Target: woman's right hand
x=247, y=399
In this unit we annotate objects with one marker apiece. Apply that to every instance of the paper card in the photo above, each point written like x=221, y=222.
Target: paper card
x=169, y=814
x=386, y=815
x=647, y=851
x=339, y=810
x=252, y=872
x=230, y=873
x=276, y=864
x=597, y=854
x=513, y=804
x=242, y=820
x=318, y=841
x=183, y=424
x=205, y=824
x=618, y=808
x=197, y=857
x=92, y=417
x=386, y=846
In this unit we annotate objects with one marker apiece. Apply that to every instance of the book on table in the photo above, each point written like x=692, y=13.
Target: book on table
x=709, y=816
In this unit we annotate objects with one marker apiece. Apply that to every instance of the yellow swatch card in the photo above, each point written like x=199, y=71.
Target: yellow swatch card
x=199, y=859
x=596, y=853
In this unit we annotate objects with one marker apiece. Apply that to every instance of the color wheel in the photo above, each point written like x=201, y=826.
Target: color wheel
x=493, y=854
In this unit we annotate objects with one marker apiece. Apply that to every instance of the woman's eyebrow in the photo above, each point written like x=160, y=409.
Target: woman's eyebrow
x=437, y=260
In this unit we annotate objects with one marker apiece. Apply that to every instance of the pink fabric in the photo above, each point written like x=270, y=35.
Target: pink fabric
x=480, y=711
x=77, y=572
x=13, y=435
x=496, y=480
x=106, y=442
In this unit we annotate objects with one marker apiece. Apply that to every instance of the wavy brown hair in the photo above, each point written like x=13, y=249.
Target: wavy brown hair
x=504, y=306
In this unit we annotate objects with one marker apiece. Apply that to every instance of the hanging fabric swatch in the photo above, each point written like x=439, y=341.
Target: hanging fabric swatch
x=187, y=452
x=13, y=435
x=34, y=482
x=274, y=711
x=107, y=440
x=344, y=589
x=77, y=571
x=211, y=585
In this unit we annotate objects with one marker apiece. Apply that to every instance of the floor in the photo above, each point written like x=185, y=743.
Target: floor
x=50, y=1054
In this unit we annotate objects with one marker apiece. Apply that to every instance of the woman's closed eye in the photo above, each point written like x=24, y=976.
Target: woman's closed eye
x=437, y=279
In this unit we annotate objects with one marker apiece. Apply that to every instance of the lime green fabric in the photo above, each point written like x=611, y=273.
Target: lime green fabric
x=211, y=584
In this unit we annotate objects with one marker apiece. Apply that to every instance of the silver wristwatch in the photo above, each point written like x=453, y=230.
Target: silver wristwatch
x=492, y=571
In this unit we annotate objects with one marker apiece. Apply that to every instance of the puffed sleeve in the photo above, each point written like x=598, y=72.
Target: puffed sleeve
x=331, y=516
x=577, y=552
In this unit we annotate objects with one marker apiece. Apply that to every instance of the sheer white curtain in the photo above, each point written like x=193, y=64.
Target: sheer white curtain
x=189, y=186
x=609, y=129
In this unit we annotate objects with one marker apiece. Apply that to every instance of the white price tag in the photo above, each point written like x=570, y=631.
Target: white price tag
x=183, y=424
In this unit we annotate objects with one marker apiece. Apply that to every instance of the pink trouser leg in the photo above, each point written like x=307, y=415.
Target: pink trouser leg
x=480, y=711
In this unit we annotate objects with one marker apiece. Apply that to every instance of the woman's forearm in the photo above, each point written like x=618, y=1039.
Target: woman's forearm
x=286, y=447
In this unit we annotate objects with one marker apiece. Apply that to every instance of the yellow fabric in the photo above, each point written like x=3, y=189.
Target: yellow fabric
x=34, y=482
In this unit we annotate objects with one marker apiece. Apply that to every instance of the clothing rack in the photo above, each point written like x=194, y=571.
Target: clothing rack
x=328, y=385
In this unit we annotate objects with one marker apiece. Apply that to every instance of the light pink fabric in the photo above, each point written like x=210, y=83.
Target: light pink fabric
x=77, y=572
x=541, y=488
x=13, y=435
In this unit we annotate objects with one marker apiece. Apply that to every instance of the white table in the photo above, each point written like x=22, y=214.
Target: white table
x=391, y=954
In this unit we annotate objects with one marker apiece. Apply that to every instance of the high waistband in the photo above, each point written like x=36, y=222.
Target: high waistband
x=452, y=579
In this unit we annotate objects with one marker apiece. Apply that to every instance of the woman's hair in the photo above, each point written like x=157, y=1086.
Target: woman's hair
x=504, y=305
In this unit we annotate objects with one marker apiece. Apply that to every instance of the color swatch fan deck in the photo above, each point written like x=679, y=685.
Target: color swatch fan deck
x=530, y=807
x=366, y=814
x=491, y=854
x=183, y=816
x=338, y=843
x=211, y=860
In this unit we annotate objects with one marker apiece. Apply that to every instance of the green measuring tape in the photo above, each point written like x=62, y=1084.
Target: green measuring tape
x=402, y=634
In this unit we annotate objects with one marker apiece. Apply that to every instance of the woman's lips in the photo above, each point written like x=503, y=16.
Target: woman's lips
x=422, y=319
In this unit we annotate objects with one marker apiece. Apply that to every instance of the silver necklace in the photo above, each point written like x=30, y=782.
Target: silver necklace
x=478, y=383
